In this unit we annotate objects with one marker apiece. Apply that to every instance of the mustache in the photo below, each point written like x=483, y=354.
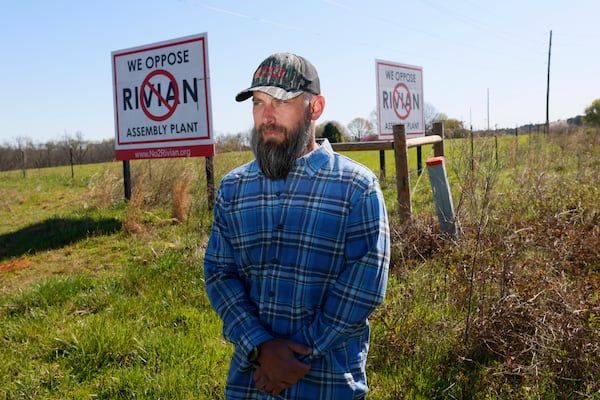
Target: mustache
x=272, y=127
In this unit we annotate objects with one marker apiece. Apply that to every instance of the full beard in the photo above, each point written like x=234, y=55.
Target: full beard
x=277, y=159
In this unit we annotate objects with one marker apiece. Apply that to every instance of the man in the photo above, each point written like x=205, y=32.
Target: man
x=298, y=255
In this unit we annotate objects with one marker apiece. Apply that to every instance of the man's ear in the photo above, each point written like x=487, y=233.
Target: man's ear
x=318, y=105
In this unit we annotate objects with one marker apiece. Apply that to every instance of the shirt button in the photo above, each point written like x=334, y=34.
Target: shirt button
x=280, y=226
x=275, y=261
x=271, y=293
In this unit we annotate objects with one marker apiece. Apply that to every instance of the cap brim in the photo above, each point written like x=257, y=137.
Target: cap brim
x=274, y=91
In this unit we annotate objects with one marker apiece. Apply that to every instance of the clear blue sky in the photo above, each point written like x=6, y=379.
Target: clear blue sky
x=56, y=56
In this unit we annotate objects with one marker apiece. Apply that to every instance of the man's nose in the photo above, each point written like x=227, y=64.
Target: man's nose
x=268, y=114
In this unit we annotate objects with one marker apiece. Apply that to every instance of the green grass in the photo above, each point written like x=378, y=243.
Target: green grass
x=147, y=331
x=90, y=309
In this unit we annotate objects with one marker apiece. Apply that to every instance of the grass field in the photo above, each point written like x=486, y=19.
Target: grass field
x=103, y=299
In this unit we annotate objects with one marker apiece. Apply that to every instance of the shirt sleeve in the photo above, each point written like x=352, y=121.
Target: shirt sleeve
x=361, y=287
x=226, y=290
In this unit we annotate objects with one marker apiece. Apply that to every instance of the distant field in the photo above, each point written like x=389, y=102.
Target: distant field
x=100, y=298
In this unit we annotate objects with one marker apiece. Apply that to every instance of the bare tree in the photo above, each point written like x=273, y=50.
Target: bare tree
x=103, y=151
x=360, y=127
x=374, y=119
x=75, y=148
x=11, y=157
x=51, y=153
x=431, y=115
x=80, y=148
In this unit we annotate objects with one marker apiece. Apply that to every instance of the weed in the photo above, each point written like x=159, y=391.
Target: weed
x=180, y=197
x=132, y=222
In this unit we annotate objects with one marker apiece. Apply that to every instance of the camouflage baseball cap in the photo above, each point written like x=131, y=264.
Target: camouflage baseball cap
x=283, y=76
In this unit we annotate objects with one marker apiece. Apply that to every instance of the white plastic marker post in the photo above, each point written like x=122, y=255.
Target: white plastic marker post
x=441, y=193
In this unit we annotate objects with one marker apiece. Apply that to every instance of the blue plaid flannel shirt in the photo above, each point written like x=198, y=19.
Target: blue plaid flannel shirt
x=304, y=258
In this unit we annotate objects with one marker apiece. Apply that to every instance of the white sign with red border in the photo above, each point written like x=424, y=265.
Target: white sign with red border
x=162, y=100
x=399, y=98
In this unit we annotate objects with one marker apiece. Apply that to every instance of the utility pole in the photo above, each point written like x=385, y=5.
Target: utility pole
x=488, y=111
x=548, y=87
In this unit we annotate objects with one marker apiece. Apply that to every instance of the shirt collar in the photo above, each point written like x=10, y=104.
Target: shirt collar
x=314, y=160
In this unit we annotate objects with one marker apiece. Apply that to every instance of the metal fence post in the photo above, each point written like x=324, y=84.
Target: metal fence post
x=127, y=179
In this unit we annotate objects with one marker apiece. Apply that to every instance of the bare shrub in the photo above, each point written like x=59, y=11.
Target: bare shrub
x=132, y=221
x=180, y=197
x=524, y=278
x=105, y=189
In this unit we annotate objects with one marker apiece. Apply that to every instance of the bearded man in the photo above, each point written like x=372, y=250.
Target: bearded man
x=298, y=254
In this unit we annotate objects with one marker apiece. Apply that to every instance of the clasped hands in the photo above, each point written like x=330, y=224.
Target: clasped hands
x=278, y=367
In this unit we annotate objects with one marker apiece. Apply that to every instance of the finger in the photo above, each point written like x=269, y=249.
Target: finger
x=260, y=383
x=299, y=348
x=276, y=391
x=259, y=376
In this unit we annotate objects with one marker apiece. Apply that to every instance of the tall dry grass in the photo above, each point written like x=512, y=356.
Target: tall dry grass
x=180, y=198
x=155, y=185
x=512, y=310
x=133, y=217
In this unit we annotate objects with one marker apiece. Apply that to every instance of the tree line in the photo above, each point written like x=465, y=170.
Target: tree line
x=24, y=153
